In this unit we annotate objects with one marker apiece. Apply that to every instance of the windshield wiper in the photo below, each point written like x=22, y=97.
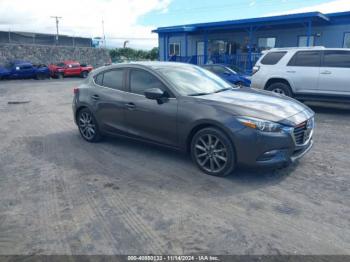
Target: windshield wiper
x=199, y=94
x=224, y=89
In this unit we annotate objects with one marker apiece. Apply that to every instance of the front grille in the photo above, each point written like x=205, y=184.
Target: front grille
x=299, y=133
x=303, y=131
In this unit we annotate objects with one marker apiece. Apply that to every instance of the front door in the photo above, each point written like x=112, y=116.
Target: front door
x=335, y=73
x=146, y=118
x=200, y=53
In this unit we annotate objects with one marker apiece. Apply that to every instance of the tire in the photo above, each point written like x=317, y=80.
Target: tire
x=213, y=152
x=239, y=84
x=84, y=74
x=280, y=88
x=60, y=75
x=40, y=77
x=88, y=126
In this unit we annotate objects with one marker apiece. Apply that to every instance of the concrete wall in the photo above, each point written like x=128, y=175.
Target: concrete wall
x=41, y=54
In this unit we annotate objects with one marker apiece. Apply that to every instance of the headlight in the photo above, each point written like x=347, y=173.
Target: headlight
x=259, y=124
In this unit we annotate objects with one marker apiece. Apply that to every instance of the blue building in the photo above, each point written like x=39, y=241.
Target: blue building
x=240, y=42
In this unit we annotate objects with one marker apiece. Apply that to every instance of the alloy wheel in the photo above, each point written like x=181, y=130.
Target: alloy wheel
x=279, y=91
x=211, y=153
x=87, y=126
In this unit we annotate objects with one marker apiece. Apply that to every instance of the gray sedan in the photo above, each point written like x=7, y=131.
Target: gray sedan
x=188, y=108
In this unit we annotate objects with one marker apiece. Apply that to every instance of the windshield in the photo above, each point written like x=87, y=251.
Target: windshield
x=194, y=80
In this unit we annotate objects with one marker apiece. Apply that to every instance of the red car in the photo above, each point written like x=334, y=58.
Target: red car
x=69, y=68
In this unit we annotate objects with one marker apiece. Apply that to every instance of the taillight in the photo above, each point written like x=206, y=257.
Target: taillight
x=75, y=90
x=255, y=69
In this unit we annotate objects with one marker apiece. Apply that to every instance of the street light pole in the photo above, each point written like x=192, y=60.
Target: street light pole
x=103, y=32
x=57, y=22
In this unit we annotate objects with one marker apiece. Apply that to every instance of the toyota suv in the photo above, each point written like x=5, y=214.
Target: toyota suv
x=311, y=73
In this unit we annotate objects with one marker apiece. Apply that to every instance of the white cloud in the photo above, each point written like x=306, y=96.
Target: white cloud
x=83, y=18
x=329, y=7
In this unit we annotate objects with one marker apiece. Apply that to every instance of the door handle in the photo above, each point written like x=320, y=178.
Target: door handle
x=130, y=106
x=326, y=72
x=291, y=71
x=95, y=97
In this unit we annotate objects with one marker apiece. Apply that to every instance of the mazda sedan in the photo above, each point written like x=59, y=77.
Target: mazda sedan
x=186, y=107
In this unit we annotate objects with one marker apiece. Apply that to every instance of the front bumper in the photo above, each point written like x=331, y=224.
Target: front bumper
x=262, y=149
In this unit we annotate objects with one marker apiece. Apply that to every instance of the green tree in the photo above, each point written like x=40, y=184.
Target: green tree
x=122, y=54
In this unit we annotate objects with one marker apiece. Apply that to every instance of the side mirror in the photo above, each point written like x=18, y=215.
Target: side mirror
x=154, y=93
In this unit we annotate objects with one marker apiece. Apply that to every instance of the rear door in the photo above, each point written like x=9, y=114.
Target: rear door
x=335, y=72
x=303, y=71
x=108, y=99
x=146, y=118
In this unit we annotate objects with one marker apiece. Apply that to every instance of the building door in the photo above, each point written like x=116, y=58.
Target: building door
x=200, y=53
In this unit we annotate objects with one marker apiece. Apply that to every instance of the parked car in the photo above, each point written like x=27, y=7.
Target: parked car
x=70, y=68
x=315, y=73
x=228, y=74
x=22, y=69
x=186, y=107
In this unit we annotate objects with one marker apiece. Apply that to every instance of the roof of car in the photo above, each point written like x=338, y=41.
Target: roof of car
x=155, y=65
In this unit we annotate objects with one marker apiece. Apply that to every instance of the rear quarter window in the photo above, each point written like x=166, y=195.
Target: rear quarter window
x=272, y=58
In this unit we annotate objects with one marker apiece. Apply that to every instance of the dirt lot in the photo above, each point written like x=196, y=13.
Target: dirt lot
x=62, y=195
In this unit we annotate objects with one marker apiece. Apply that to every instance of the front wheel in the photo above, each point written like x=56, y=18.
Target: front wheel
x=88, y=127
x=213, y=152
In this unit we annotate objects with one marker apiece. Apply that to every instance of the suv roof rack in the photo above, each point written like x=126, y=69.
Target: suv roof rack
x=292, y=48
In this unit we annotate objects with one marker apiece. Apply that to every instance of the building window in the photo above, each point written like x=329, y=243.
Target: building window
x=266, y=42
x=346, y=40
x=174, y=49
x=302, y=41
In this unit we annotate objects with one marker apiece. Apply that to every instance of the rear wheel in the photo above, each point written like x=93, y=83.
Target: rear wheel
x=40, y=76
x=213, y=152
x=280, y=88
x=84, y=74
x=88, y=127
x=239, y=84
x=60, y=75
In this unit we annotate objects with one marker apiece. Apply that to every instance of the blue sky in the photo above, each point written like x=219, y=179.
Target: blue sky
x=133, y=20
x=193, y=11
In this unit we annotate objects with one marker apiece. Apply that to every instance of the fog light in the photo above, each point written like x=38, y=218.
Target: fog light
x=268, y=155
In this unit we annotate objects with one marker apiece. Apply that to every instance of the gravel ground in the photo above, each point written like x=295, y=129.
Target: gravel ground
x=62, y=195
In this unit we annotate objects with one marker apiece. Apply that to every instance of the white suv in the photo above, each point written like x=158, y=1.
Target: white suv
x=314, y=73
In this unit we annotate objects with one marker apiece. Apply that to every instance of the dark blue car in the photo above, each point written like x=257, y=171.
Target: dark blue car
x=22, y=69
x=229, y=74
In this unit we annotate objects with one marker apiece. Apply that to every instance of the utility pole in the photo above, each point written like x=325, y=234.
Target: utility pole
x=103, y=32
x=57, y=18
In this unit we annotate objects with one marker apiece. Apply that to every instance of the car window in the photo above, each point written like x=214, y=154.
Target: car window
x=219, y=70
x=306, y=58
x=99, y=79
x=272, y=58
x=113, y=79
x=336, y=59
x=75, y=65
x=25, y=67
x=141, y=80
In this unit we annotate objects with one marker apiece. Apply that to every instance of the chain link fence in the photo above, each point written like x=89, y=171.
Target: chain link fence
x=43, y=39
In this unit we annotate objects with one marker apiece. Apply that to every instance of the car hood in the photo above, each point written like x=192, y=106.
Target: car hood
x=259, y=104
